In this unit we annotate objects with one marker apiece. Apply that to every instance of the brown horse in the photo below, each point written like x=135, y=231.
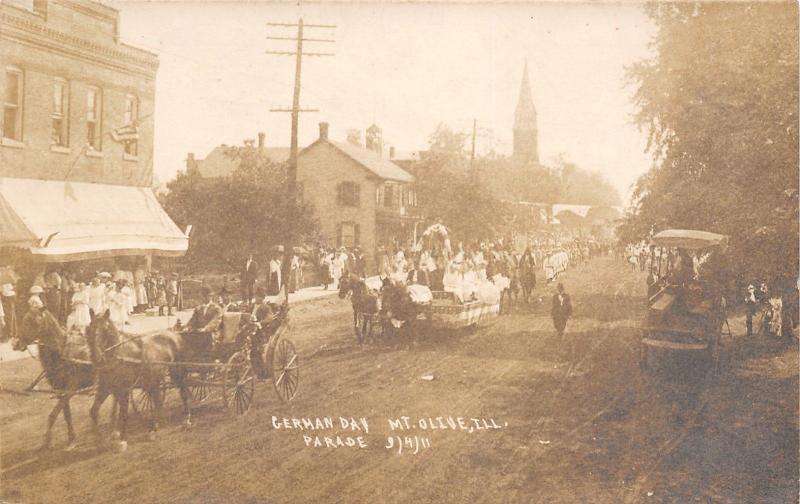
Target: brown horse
x=365, y=305
x=399, y=312
x=65, y=376
x=123, y=362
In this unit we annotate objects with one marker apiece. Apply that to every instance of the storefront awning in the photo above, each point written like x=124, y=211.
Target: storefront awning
x=70, y=221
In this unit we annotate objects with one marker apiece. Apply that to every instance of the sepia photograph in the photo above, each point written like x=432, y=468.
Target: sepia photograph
x=384, y=251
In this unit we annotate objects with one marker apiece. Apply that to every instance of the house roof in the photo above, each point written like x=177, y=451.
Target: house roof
x=223, y=160
x=372, y=161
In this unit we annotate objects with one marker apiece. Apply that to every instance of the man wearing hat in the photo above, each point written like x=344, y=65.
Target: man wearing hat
x=207, y=316
x=751, y=307
x=36, y=292
x=172, y=293
x=248, y=278
x=561, y=311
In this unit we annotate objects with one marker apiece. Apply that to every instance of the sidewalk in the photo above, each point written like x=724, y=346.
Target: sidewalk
x=141, y=323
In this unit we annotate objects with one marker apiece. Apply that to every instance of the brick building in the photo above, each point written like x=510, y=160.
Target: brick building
x=360, y=198
x=76, y=153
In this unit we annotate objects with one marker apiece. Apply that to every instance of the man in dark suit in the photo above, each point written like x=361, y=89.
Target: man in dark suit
x=207, y=316
x=561, y=311
x=248, y=279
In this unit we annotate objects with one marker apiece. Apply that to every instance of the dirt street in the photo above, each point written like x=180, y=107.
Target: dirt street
x=523, y=420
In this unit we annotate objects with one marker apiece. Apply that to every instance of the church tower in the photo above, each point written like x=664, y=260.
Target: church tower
x=526, y=133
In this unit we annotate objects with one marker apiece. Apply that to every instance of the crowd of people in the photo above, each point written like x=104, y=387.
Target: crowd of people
x=70, y=296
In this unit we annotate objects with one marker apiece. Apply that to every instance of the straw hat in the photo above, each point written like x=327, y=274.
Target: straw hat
x=36, y=289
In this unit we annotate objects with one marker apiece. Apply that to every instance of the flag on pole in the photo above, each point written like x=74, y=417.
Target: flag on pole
x=127, y=133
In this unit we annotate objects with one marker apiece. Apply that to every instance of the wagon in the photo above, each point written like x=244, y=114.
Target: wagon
x=686, y=312
x=233, y=359
x=448, y=312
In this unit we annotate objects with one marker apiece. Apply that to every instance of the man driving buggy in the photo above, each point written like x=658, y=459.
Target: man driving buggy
x=205, y=320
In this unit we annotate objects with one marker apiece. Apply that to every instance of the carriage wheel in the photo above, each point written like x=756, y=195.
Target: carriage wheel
x=285, y=370
x=238, y=385
x=142, y=402
x=202, y=390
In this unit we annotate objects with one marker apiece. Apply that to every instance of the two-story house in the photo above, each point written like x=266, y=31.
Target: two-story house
x=360, y=198
x=76, y=150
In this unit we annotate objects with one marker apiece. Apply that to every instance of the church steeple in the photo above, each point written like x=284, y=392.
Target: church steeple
x=526, y=132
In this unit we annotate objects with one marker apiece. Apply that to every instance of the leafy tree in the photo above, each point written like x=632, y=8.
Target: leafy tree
x=719, y=101
x=233, y=216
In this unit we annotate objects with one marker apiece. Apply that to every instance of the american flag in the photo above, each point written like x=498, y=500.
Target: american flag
x=127, y=133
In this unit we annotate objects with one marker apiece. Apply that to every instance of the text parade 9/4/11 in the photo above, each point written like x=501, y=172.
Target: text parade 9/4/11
x=361, y=424
x=357, y=427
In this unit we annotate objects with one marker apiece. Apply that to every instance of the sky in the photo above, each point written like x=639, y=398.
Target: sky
x=406, y=67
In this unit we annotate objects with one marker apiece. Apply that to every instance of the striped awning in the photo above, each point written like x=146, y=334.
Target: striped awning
x=68, y=221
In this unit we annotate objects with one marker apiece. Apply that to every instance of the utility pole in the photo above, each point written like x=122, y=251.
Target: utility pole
x=291, y=175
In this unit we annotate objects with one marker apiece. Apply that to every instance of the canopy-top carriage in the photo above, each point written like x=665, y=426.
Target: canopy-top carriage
x=686, y=309
x=237, y=355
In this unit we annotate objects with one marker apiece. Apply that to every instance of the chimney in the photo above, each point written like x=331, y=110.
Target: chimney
x=261, y=136
x=323, y=131
x=190, y=162
x=391, y=152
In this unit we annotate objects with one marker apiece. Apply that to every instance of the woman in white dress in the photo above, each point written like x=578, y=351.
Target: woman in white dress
x=97, y=296
x=130, y=296
x=337, y=266
x=118, y=305
x=79, y=317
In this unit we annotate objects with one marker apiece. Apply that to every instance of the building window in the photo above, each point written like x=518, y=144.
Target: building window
x=349, y=194
x=379, y=195
x=94, y=114
x=389, y=196
x=12, y=105
x=59, y=133
x=131, y=119
x=348, y=235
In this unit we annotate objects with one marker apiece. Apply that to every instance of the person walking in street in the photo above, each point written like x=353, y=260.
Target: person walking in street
x=751, y=307
x=561, y=311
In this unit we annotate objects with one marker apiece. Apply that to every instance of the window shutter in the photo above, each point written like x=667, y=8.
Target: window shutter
x=356, y=234
x=357, y=195
x=338, y=235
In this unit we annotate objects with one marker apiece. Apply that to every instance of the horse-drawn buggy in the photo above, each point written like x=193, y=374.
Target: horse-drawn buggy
x=144, y=367
x=686, y=309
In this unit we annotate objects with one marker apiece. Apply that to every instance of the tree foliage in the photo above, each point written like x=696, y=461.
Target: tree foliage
x=233, y=216
x=472, y=196
x=719, y=101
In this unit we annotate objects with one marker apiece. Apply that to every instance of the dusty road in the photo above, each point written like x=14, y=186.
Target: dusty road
x=563, y=428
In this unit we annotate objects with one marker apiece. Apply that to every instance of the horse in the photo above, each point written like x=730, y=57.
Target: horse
x=64, y=375
x=365, y=305
x=398, y=311
x=141, y=361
